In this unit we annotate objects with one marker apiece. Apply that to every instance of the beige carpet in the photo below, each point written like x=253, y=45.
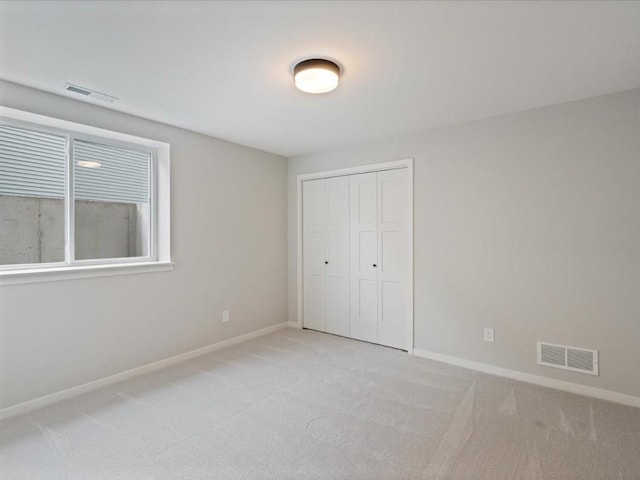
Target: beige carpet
x=305, y=405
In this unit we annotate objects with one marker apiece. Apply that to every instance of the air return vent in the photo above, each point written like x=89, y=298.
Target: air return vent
x=90, y=93
x=568, y=358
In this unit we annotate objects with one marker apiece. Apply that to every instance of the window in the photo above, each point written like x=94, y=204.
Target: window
x=112, y=201
x=32, y=185
x=73, y=196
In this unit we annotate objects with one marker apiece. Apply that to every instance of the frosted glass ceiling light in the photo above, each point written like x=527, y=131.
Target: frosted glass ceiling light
x=316, y=75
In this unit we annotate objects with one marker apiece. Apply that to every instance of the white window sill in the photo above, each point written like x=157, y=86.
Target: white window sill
x=34, y=275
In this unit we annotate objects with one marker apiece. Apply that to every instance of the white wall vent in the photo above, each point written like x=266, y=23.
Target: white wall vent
x=90, y=93
x=568, y=358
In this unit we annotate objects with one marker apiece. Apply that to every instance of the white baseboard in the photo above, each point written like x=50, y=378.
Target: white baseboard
x=586, y=390
x=134, y=372
x=294, y=325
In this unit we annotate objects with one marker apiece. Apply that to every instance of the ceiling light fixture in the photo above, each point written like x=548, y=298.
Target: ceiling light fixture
x=316, y=75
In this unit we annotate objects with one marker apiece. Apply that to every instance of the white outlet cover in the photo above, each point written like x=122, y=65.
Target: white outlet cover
x=225, y=316
x=489, y=335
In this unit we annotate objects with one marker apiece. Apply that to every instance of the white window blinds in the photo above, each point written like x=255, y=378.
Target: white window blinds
x=31, y=163
x=110, y=174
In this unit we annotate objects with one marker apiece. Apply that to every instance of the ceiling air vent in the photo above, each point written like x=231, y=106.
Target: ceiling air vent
x=568, y=358
x=90, y=93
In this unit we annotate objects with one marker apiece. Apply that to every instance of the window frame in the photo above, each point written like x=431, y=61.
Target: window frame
x=159, y=257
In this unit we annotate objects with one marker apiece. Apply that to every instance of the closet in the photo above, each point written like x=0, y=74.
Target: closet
x=355, y=251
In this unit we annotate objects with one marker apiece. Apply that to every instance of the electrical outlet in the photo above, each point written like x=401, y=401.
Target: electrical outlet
x=489, y=335
x=225, y=316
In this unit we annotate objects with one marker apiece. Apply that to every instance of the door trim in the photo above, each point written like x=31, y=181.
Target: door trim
x=375, y=167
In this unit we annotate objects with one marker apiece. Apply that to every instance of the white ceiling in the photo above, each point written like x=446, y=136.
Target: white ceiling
x=223, y=68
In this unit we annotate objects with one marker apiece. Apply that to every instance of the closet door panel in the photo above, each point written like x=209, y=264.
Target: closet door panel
x=337, y=269
x=366, y=192
x=393, y=326
x=364, y=251
x=314, y=254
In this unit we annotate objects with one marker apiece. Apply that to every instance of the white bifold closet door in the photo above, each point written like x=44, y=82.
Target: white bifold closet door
x=379, y=257
x=355, y=256
x=393, y=259
x=326, y=254
x=363, y=192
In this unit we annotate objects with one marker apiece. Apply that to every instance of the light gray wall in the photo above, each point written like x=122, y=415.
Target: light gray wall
x=528, y=223
x=228, y=223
